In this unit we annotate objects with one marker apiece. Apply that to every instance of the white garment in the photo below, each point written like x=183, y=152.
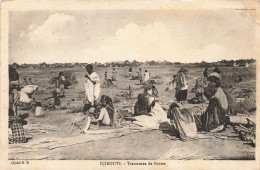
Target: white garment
x=222, y=98
x=146, y=76
x=158, y=116
x=62, y=78
x=104, y=117
x=92, y=91
x=26, y=91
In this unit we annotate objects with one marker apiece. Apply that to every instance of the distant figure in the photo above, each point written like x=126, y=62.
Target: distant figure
x=146, y=76
x=130, y=72
x=61, y=78
x=181, y=86
x=238, y=79
x=53, y=101
x=105, y=76
x=131, y=91
x=92, y=85
x=25, y=82
x=114, y=72
x=206, y=73
x=151, y=86
x=107, y=81
x=216, y=70
x=139, y=74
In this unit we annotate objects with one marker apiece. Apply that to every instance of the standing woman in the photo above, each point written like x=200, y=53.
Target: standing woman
x=181, y=85
x=146, y=76
x=130, y=72
x=114, y=72
x=92, y=85
x=140, y=75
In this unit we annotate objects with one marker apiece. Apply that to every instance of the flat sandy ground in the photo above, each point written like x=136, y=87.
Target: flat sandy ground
x=153, y=144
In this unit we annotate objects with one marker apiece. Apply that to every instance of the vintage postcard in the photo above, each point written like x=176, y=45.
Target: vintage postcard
x=130, y=84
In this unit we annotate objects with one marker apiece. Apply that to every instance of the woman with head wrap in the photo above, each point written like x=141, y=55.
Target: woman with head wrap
x=92, y=85
x=152, y=114
x=214, y=118
x=141, y=106
x=103, y=114
x=106, y=115
x=182, y=121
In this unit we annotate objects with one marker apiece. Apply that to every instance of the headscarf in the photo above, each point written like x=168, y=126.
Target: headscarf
x=215, y=78
x=142, y=99
x=141, y=106
x=108, y=100
x=110, y=108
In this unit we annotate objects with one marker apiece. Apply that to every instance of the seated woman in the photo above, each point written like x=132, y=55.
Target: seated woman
x=15, y=127
x=141, y=106
x=182, y=121
x=153, y=114
x=24, y=98
x=214, y=118
x=102, y=114
x=27, y=92
x=106, y=114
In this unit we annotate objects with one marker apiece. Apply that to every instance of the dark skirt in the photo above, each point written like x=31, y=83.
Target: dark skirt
x=214, y=115
x=181, y=95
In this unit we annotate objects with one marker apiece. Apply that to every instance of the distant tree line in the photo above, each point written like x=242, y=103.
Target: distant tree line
x=134, y=63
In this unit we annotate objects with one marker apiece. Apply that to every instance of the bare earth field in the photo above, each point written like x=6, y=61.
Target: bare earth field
x=150, y=144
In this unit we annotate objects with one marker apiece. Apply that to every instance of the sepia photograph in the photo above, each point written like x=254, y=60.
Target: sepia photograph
x=132, y=84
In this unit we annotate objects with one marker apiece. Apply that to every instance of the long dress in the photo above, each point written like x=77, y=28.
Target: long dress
x=146, y=76
x=92, y=91
x=216, y=111
x=183, y=122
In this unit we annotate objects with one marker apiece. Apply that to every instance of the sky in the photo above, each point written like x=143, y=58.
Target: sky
x=143, y=35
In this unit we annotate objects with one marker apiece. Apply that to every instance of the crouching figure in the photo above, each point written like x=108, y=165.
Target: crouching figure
x=103, y=114
x=182, y=121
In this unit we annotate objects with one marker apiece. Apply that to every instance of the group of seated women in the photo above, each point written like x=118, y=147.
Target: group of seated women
x=149, y=113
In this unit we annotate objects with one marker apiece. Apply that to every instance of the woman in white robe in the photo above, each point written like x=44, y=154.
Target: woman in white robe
x=92, y=85
x=146, y=76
